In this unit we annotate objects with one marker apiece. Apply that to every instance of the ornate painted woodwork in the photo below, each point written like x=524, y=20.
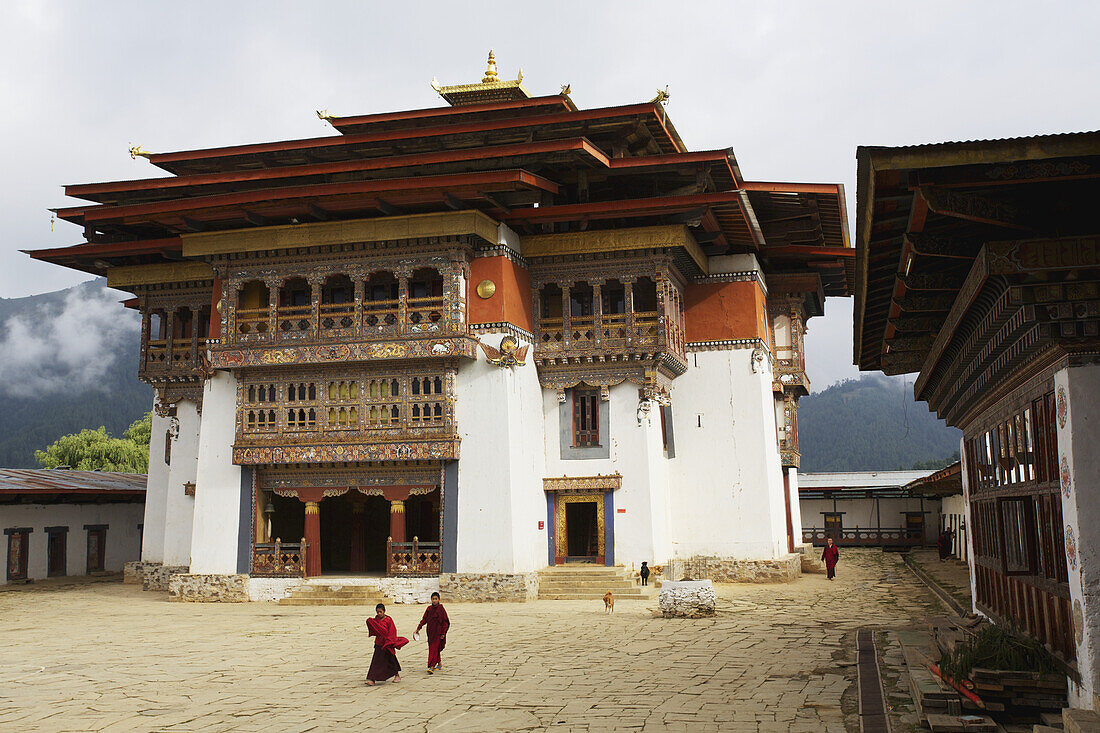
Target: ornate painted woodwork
x=412, y=559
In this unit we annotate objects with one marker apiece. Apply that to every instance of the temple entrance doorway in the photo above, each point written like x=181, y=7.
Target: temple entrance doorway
x=580, y=534
x=580, y=528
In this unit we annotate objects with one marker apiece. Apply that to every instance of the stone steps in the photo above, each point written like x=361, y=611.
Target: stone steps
x=590, y=583
x=315, y=594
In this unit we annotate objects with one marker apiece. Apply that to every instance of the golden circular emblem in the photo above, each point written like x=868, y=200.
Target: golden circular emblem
x=486, y=288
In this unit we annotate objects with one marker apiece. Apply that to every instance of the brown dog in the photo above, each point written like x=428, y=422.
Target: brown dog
x=608, y=602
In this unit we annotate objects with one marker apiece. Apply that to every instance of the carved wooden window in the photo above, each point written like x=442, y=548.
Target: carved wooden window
x=1017, y=515
x=586, y=417
x=259, y=412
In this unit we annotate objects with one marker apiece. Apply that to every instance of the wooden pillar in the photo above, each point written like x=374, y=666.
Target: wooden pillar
x=146, y=323
x=358, y=538
x=196, y=314
x=402, y=303
x=566, y=317
x=628, y=297
x=273, y=289
x=597, y=311
x=358, y=305
x=315, y=307
x=313, y=539
x=397, y=520
x=170, y=335
x=787, y=505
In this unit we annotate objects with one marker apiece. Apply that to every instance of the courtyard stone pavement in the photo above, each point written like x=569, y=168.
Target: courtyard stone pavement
x=110, y=657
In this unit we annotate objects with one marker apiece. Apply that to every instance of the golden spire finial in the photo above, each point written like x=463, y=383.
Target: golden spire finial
x=135, y=151
x=491, y=69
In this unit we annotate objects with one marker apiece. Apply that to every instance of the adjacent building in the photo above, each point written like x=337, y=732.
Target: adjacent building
x=61, y=523
x=978, y=266
x=468, y=342
x=867, y=509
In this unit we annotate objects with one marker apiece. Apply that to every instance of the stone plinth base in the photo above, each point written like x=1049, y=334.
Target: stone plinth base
x=133, y=572
x=484, y=587
x=208, y=588
x=156, y=576
x=409, y=590
x=270, y=589
x=687, y=599
x=729, y=570
x=811, y=559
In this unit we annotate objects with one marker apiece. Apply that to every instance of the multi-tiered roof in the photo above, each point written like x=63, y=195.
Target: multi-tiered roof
x=538, y=164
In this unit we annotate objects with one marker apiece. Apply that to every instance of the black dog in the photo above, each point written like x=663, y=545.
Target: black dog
x=645, y=573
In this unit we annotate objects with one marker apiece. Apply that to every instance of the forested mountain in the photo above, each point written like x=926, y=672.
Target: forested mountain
x=871, y=424
x=68, y=360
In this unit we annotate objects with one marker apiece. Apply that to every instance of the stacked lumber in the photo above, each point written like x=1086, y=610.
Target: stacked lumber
x=961, y=724
x=931, y=696
x=1005, y=689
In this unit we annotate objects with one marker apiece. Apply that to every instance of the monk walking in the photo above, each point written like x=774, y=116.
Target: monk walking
x=384, y=664
x=830, y=555
x=435, y=618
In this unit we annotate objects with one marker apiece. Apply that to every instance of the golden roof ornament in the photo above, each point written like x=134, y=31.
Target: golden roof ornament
x=567, y=89
x=489, y=90
x=135, y=151
x=662, y=96
x=322, y=114
x=491, y=70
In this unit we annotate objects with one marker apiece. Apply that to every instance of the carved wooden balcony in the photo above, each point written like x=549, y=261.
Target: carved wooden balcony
x=402, y=415
x=616, y=336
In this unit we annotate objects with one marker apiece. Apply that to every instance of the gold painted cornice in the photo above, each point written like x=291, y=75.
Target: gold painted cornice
x=615, y=240
x=168, y=272
x=447, y=224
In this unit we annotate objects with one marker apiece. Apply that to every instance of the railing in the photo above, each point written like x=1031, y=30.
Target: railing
x=424, y=315
x=279, y=559
x=381, y=317
x=614, y=331
x=293, y=319
x=412, y=558
x=872, y=537
x=252, y=323
x=337, y=319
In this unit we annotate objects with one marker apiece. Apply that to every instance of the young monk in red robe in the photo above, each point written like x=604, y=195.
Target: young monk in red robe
x=830, y=555
x=435, y=618
x=384, y=664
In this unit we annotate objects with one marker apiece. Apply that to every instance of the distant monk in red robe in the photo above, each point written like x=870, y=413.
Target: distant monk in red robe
x=384, y=664
x=943, y=544
x=830, y=555
x=435, y=618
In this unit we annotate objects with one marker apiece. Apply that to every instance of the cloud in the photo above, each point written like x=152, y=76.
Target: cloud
x=66, y=347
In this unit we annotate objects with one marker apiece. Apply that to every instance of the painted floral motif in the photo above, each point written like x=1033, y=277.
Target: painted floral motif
x=1065, y=478
x=1078, y=622
x=1071, y=548
x=1062, y=407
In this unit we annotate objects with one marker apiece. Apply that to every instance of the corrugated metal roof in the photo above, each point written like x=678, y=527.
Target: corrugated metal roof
x=859, y=479
x=954, y=143
x=55, y=481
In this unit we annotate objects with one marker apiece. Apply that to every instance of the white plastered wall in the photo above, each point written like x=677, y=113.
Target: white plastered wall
x=500, y=467
x=1078, y=388
x=865, y=514
x=635, y=452
x=796, y=505
x=122, y=542
x=179, y=508
x=214, y=536
x=726, y=484
x=156, y=492
x=969, y=535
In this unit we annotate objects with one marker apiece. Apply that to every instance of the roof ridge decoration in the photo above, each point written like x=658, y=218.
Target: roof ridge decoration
x=489, y=89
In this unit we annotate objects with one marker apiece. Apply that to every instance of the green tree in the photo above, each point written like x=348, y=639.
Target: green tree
x=90, y=450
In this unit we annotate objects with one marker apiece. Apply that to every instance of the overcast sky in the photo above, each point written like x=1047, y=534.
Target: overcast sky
x=792, y=87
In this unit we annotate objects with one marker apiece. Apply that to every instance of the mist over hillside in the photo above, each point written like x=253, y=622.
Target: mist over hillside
x=869, y=424
x=68, y=361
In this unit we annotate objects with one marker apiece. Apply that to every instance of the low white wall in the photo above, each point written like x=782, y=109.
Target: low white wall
x=122, y=542
x=179, y=508
x=156, y=492
x=500, y=469
x=796, y=506
x=726, y=484
x=216, y=528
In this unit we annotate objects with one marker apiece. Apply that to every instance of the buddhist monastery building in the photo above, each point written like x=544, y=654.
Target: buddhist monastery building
x=468, y=343
x=978, y=266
